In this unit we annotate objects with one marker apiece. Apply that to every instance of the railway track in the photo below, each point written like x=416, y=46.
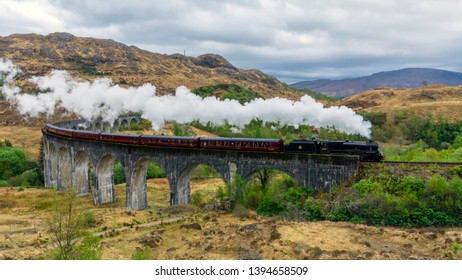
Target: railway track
x=423, y=163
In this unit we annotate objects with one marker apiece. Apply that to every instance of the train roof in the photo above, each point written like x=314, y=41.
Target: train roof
x=170, y=137
x=344, y=142
x=240, y=139
x=115, y=134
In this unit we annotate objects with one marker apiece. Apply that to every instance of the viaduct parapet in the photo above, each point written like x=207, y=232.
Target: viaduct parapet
x=67, y=162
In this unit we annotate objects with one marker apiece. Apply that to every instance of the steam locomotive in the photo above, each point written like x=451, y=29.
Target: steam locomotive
x=367, y=151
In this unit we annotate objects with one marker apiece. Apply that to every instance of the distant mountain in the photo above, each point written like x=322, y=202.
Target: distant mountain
x=404, y=78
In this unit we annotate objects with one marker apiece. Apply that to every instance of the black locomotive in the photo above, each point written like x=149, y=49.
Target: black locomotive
x=367, y=151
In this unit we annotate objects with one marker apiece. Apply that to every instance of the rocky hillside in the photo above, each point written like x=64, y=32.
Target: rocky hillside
x=90, y=58
x=404, y=78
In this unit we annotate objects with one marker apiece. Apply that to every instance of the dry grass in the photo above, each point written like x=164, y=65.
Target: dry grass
x=435, y=99
x=212, y=235
x=26, y=138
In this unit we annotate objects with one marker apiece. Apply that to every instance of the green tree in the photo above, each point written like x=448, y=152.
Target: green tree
x=66, y=224
x=119, y=176
x=12, y=162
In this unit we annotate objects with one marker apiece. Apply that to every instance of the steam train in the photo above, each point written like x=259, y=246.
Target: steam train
x=367, y=151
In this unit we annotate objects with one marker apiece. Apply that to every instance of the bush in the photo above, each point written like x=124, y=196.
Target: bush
x=222, y=193
x=142, y=125
x=382, y=198
x=119, y=176
x=280, y=196
x=313, y=210
x=182, y=130
x=32, y=178
x=12, y=162
x=457, y=170
x=376, y=118
x=155, y=171
x=204, y=171
x=198, y=199
x=89, y=219
x=270, y=204
x=227, y=91
x=456, y=155
x=141, y=254
x=89, y=248
x=408, y=185
x=253, y=196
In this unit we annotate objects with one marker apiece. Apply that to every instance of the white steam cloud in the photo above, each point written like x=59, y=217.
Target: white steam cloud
x=101, y=98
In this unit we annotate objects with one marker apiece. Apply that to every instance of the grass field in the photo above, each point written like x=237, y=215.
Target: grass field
x=200, y=234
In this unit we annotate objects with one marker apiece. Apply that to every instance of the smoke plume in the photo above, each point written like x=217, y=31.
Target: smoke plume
x=101, y=98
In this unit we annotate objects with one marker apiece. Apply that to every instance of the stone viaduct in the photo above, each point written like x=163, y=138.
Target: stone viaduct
x=67, y=162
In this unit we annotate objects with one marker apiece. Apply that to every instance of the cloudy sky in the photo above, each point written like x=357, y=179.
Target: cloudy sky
x=292, y=40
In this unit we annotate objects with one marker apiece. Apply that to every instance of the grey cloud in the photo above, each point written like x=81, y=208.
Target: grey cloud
x=290, y=39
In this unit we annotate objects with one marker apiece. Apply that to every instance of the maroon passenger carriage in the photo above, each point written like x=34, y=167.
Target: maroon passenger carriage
x=242, y=144
x=169, y=141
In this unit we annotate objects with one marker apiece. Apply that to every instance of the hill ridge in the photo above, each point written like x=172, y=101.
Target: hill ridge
x=88, y=58
x=411, y=77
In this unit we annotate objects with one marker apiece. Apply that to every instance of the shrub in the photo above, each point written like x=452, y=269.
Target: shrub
x=204, y=171
x=89, y=218
x=119, y=176
x=409, y=185
x=376, y=118
x=65, y=225
x=253, y=196
x=141, y=254
x=89, y=248
x=198, y=198
x=280, y=195
x=12, y=162
x=155, y=171
x=237, y=189
x=456, y=155
x=457, y=170
x=32, y=178
x=182, y=130
x=222, y=193
x=142, y=125
x=270, y=204
x=313, y=210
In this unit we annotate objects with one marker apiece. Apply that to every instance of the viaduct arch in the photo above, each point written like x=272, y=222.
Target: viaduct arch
x=67, y=162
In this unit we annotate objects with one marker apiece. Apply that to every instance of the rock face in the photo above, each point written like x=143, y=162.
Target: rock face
x=213, y=61
x=90, y=58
